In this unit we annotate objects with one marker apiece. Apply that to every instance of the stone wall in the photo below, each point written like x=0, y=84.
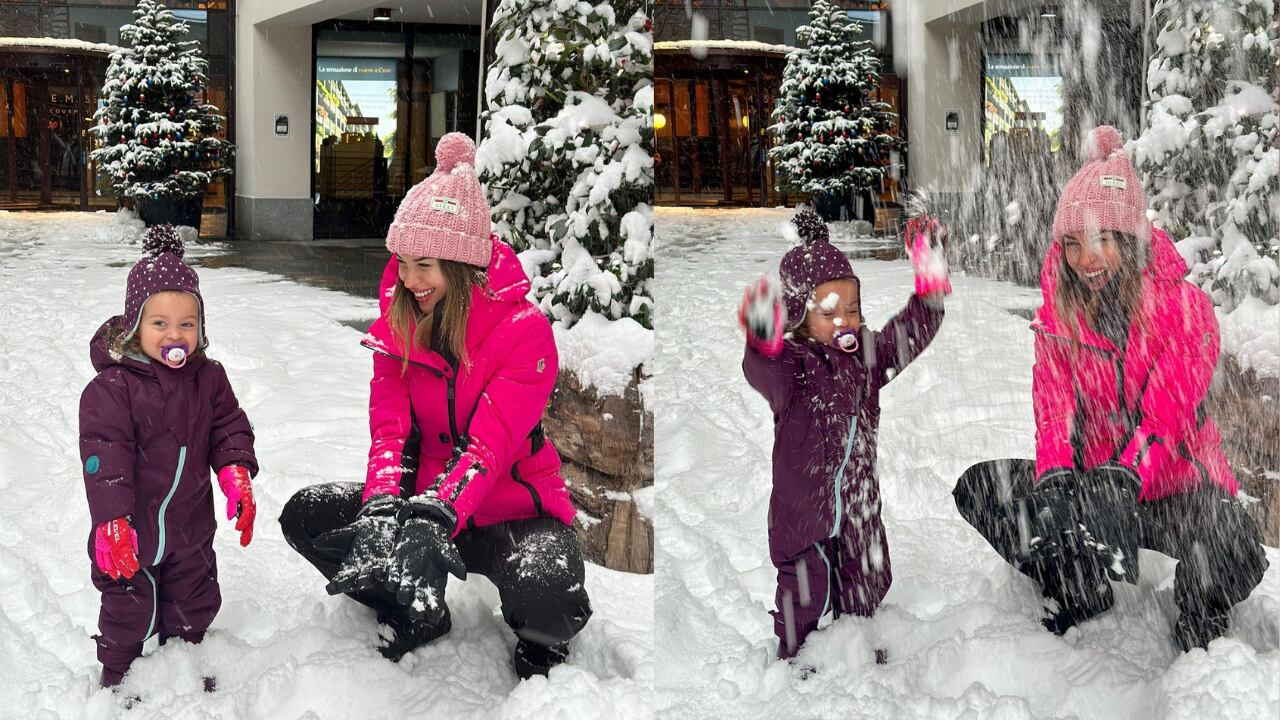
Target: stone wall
x=606, y=444
x=1246, y=409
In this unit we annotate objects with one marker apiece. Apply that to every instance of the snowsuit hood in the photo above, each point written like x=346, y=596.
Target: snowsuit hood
x=423, y=416
x=1141, y=405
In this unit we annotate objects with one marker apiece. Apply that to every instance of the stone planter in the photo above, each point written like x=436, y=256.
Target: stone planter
x=1245, y=408
x=170, y=211
x=606, y=445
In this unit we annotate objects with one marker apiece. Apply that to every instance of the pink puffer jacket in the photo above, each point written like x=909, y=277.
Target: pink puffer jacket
x=490, y=411
x=1143, y=406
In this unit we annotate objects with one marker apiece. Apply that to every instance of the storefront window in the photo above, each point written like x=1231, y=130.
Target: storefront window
x=382, y=101
x=1022, y=102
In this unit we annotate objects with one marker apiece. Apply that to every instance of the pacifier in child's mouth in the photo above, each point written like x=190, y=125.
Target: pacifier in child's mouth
x=846, y=340
x=175, y=356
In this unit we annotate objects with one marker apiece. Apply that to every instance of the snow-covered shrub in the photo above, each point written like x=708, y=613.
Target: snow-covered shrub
x=1208, y=150
x=567, y=153
x=159, y=140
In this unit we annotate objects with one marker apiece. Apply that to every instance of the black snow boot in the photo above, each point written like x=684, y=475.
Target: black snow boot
x=409, y=635
x=533, y=659
x=1075, y=589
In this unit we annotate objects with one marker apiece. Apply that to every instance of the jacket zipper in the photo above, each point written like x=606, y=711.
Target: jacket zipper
x=537, y=501
x=848, y=450
x=177, y=476
x=1117, y=367
x=450, y=391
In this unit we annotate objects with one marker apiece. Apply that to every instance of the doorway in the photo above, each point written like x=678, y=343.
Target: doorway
x=383, y=99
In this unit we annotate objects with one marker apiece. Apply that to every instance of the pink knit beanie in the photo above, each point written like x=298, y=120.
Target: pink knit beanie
x=445, y=216
x=1106, y=194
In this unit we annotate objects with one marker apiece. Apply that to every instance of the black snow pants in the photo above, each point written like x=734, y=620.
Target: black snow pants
x=536, y=564
x=1217, y=544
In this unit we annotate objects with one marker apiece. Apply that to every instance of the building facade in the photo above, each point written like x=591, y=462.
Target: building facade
x=964, y=76
x=334, y=106
x=717, y=70
x=53, y=61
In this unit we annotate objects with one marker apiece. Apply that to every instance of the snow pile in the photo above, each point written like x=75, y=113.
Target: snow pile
x=1251, y=333
x=960, y=626
x=280, y=646
x=740, y=45
x=604, y=353
x=57, y=44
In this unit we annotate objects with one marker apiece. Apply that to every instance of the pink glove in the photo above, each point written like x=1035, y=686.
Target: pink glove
x=234, y=481
x=926, y=242
x=115, y=547
x=761, y=314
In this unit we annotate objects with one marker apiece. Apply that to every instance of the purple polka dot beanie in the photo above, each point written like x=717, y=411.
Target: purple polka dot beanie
x=445, y=216
x=808, y=265
x=160, y=269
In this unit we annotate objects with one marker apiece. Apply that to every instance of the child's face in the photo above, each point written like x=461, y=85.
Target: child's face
x=1093, y=257
x=424, y=278
x=168, y=318
x=835, y=306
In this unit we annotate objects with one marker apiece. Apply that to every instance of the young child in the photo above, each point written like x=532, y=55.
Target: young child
x=155, y=419
x=822, y=381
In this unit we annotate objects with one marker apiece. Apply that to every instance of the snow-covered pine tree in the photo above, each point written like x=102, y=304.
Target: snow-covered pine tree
x=567, y=153
x=832, y=136
x=159, y=140
x=1208, y=151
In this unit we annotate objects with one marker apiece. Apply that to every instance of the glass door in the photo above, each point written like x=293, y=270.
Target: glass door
x=357, y=103
x=66, y=151
x=20, y=135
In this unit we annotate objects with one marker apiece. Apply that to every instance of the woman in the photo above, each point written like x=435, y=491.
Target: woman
x=1126, y=456
x=460, y=478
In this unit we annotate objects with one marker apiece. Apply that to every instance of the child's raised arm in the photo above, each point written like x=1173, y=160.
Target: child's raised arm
x=763, y=317
x=905, y=337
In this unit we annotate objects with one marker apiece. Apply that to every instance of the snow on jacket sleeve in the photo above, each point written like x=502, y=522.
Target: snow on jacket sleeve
x=107, y=447
x=508, y=408
x=773, y=376
x=904, y=337
x=231, y=437
x=390, y=424
x=1053, y=398
x=1177, y=385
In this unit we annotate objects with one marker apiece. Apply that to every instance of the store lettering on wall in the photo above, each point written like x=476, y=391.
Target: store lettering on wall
x=62, y=108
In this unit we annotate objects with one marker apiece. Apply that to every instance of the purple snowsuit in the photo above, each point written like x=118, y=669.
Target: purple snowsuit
x=824, y=513
x=149, y=435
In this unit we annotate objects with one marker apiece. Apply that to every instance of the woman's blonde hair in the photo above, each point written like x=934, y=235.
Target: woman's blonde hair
x=414, y=327
x=1073, y=296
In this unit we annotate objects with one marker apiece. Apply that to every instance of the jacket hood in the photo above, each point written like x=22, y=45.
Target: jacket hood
x=1164, y=266
x=507, y=287
x=103, y=357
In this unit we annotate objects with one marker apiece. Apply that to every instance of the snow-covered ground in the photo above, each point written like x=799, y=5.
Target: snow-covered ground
x=960, y=626
x=281, y=647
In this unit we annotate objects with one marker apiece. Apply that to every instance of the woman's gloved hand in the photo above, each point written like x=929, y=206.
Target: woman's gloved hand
x=1108, y=502
x=372, y=538
x=424, y=557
